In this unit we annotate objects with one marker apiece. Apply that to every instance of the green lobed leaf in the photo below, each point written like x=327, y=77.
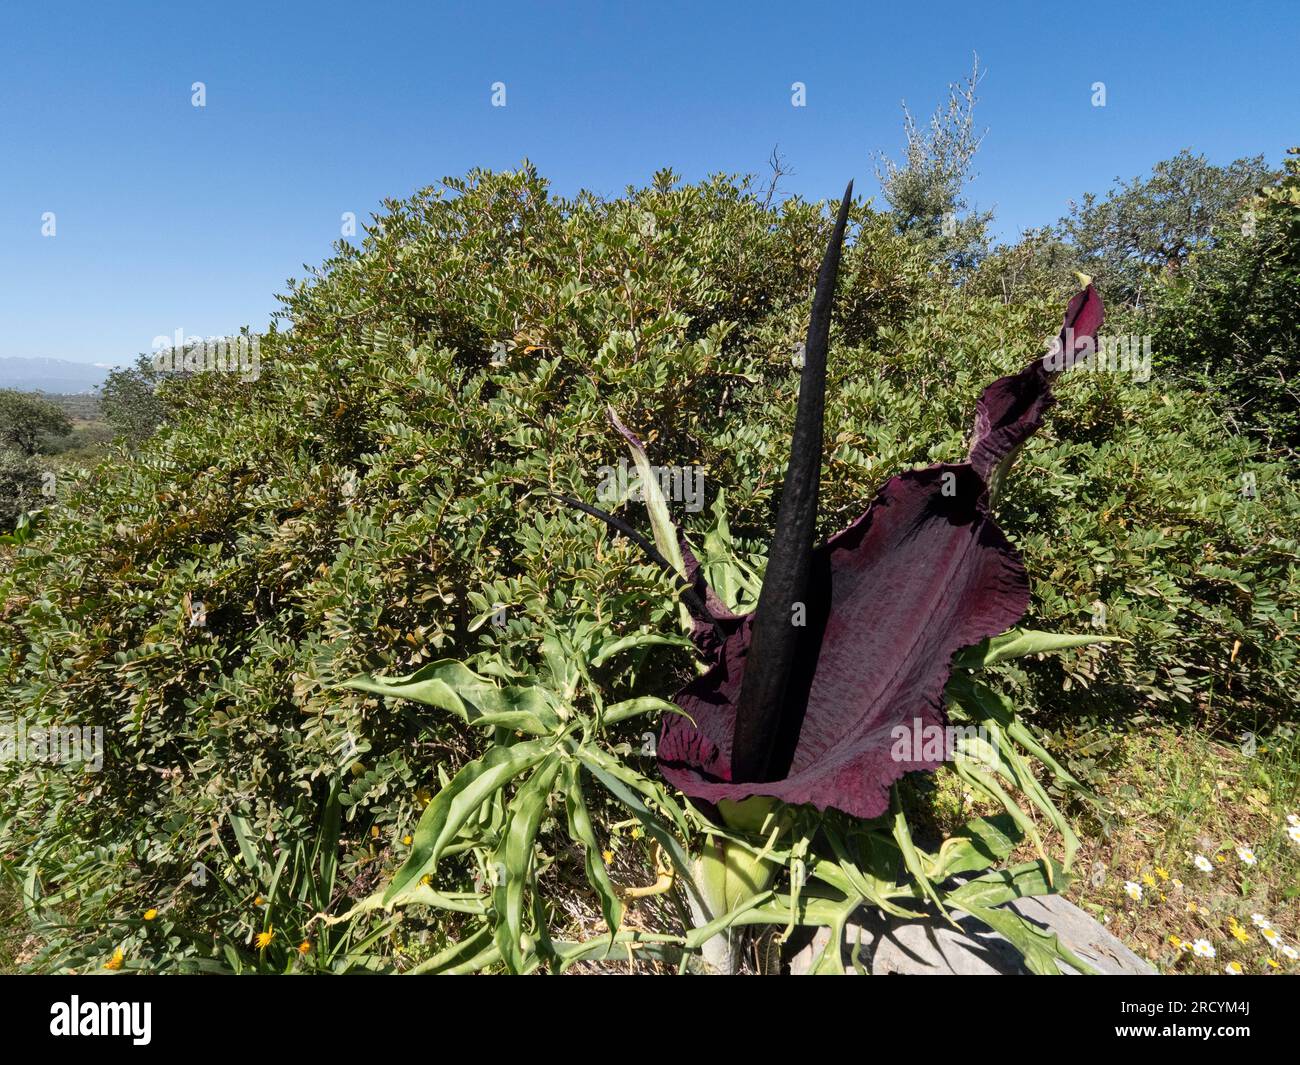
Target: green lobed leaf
x=1005, y=885
x=455, y=804
x=513, y=859
x=1016, y=643
x=1041, y=950
x=979, y=843
x=580, y=828
x=477, y=700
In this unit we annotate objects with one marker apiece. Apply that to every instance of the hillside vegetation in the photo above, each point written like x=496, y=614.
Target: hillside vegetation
x=383, y=495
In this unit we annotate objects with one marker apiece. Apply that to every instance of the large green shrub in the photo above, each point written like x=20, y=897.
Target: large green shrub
x=383, y=494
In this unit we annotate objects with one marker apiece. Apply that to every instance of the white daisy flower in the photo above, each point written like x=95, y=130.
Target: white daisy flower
x=1202, y=949
x=1260, y=921
x=1293, y=819
x=1233, y=968
x=1246, y=855
x=1203, y=863
x=1293, y=833
x=1133, y=891
x=1289, y=952
x=1270, y=936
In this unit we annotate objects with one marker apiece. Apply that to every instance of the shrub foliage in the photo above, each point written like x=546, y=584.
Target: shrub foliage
x=383, y=495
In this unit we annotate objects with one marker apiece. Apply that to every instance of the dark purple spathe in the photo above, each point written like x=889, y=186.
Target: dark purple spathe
x=923, y=573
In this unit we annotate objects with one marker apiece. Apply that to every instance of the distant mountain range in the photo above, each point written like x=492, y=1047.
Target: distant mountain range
x=51, y=375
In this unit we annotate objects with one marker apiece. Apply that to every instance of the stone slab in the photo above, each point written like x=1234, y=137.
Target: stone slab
x=887, y=945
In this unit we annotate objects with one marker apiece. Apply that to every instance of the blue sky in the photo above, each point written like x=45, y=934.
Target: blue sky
x=174, y=217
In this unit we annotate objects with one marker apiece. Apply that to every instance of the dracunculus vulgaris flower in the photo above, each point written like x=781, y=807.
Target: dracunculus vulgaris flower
x=804, y=713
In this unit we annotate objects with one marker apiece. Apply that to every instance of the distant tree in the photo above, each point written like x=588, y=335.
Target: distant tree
x=1230, y=319
x=1040, y=265
x=20, y=485
x=26, y=419
x=1147, y=226
x=129, y=400
x=924, y=190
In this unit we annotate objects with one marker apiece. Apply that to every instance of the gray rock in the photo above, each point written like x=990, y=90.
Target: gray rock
x=886, y=945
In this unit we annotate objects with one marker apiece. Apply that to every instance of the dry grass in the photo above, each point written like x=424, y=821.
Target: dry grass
x=1173, y=796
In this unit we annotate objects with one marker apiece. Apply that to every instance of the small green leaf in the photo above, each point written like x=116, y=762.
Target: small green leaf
x=1016, y=643
x=645, y=704
x=639, y=639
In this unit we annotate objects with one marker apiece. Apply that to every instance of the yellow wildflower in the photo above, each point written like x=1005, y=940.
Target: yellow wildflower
x=608, y=856
x=1162, y=873
x=263, y=939
x=304, y=946
x=115, y=962
x=150, y=914
x=406, y=841
x=1149, y=880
